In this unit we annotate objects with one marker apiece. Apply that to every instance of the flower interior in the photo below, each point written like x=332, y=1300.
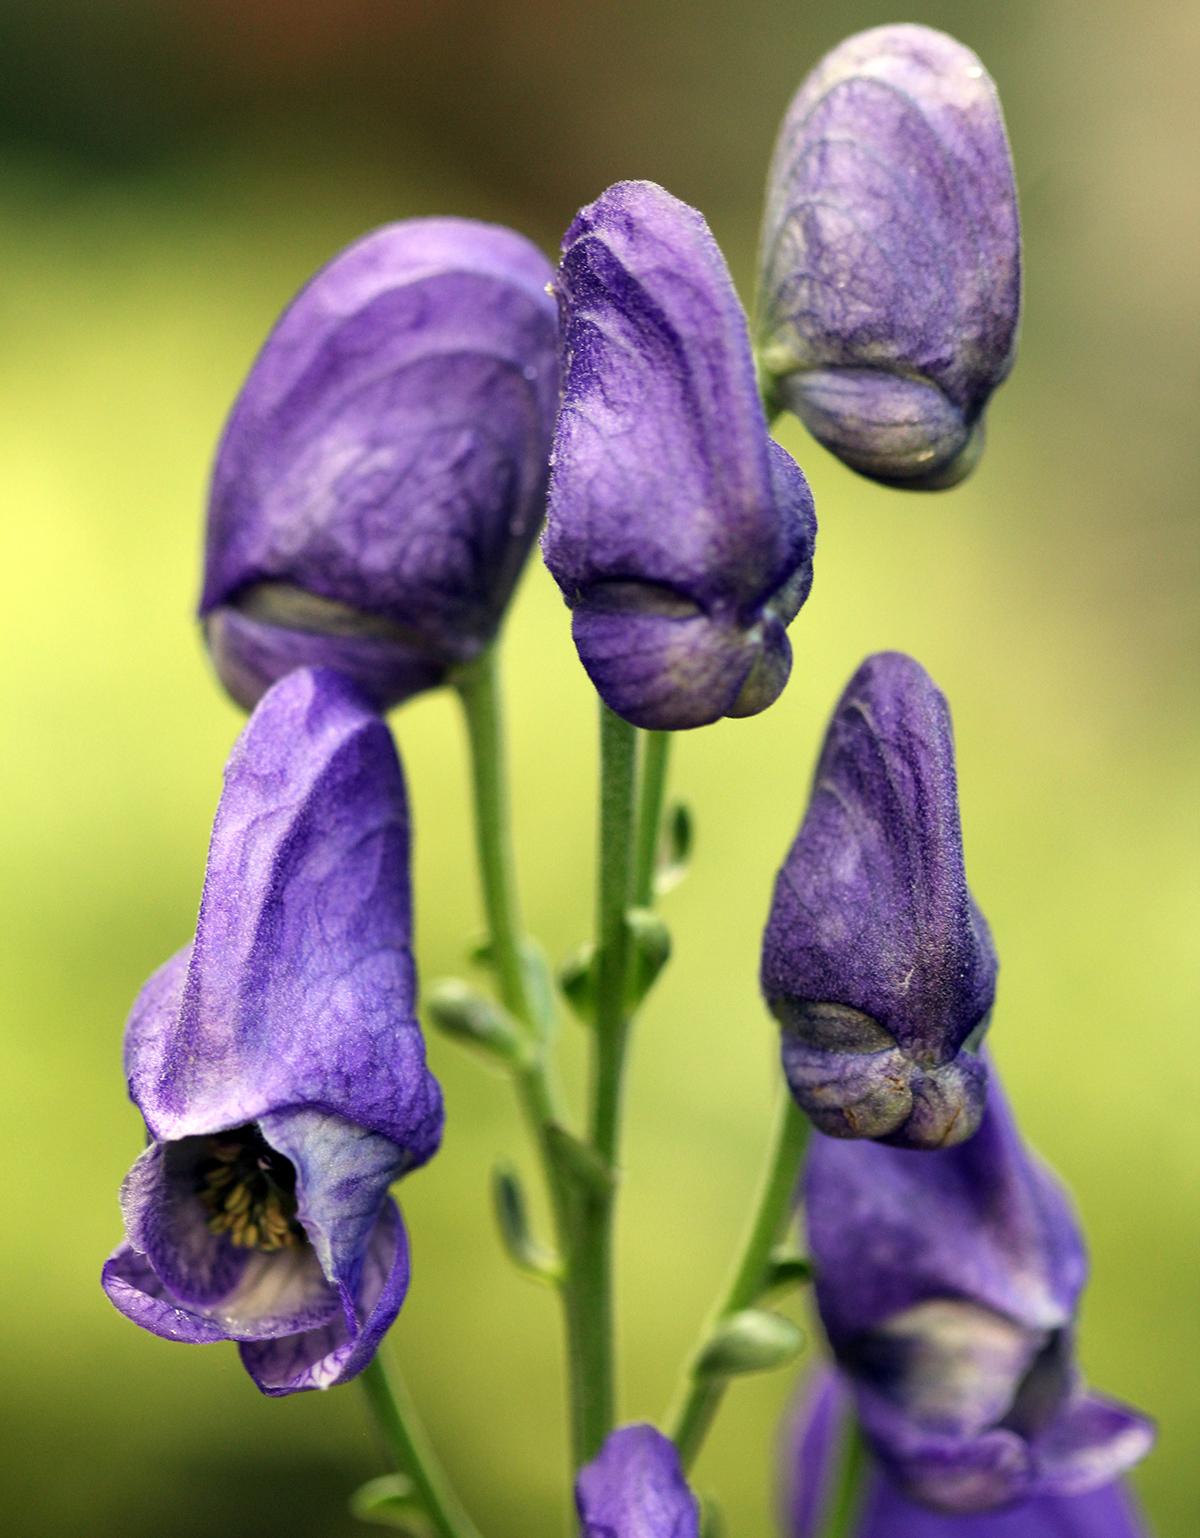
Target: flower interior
x=248, y=1191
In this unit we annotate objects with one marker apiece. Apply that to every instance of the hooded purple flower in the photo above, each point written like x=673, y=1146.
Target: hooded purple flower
x=277, y=1061
x=634, y=1488
x=680, y=534
x=382, y=476
x=876, y=960
x=948, y=1285
x=891, y=262
x=1106, y=1512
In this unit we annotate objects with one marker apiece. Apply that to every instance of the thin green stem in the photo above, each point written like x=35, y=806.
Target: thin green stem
x=409, y=1447
x=699, y=1397
x=479, y=691
x=655, y=760
x=618, y=768
x=591, y=1269
x=847, y=1492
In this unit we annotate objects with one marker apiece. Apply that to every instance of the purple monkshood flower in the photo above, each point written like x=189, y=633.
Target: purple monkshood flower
x=382, y=476
x=811, y=1456
x=680, y=534
x=277, y=1061
x=948, y=1284
x=891, y=256
x=634, y=1488
x=876, y=960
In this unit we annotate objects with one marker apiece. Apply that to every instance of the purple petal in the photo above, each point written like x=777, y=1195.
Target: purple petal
x=1090, y=1441
x=679, y=534
x=340, y=1350
x=634, y=1488
x=382, y=476
x=875, y=958
x=890, y=289
x=810, y=1451
x=133, y=1287
x=982, y=1224
x=948, y=1284
x=299, y=990
x=810, y=1461
x=1108, y=1512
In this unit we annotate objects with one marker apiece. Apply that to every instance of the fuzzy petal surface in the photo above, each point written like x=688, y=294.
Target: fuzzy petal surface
x=810, y=1455
x=876, y=960
x=299, y=989
x=891, y=266
x=680, y=535
x=634, y=1488
x=382, y=476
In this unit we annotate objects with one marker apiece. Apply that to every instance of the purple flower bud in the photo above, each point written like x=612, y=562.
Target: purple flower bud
x=634, y=1488
x=891, y=261
x=277, y=1061
x=810, y=1471
x=948, y=1285
x=382, y=476
x=680, y=534
x=876, y=960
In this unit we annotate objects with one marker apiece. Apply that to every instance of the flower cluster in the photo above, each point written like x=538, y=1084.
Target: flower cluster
x=379, y=485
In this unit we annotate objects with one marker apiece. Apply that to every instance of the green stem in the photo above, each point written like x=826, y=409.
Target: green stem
x=618, y=767
x=409, y=1448
x=699, y=1398
x=592, y=1253
x=479, y=691
x=847, y=1493
x=655, y=760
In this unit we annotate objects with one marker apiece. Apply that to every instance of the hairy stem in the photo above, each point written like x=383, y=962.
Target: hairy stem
x=655, y=760
x=581, y=1212
x=699, y=1397
x=409, y=1447
x=593, y=1258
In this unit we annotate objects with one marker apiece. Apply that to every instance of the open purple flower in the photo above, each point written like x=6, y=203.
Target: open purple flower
x=891, y=263
x=810, y=1471
x=948, y=1285
x=277, y=1061
x=876, y=960
x=634, y=1488
x=382, y=476
x=680, y=534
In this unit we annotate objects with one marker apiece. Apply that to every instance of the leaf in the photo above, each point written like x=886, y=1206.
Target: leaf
x=675, y=853
x=579, y=1161
x=457, y=1010
x=512, y=1217
x=391, y=1501
x=650, y=950
x=751, y=1341
x=787, y=1269
x=577, y=979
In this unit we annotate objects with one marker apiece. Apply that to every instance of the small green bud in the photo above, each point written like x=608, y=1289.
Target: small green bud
x=752, y=1341
x=457, y=1010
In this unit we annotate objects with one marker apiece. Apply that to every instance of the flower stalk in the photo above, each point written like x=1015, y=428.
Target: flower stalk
x=700, y=1395
x=410, y=1448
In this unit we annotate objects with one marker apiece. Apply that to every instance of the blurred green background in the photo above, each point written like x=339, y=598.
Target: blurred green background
x=169, y=174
